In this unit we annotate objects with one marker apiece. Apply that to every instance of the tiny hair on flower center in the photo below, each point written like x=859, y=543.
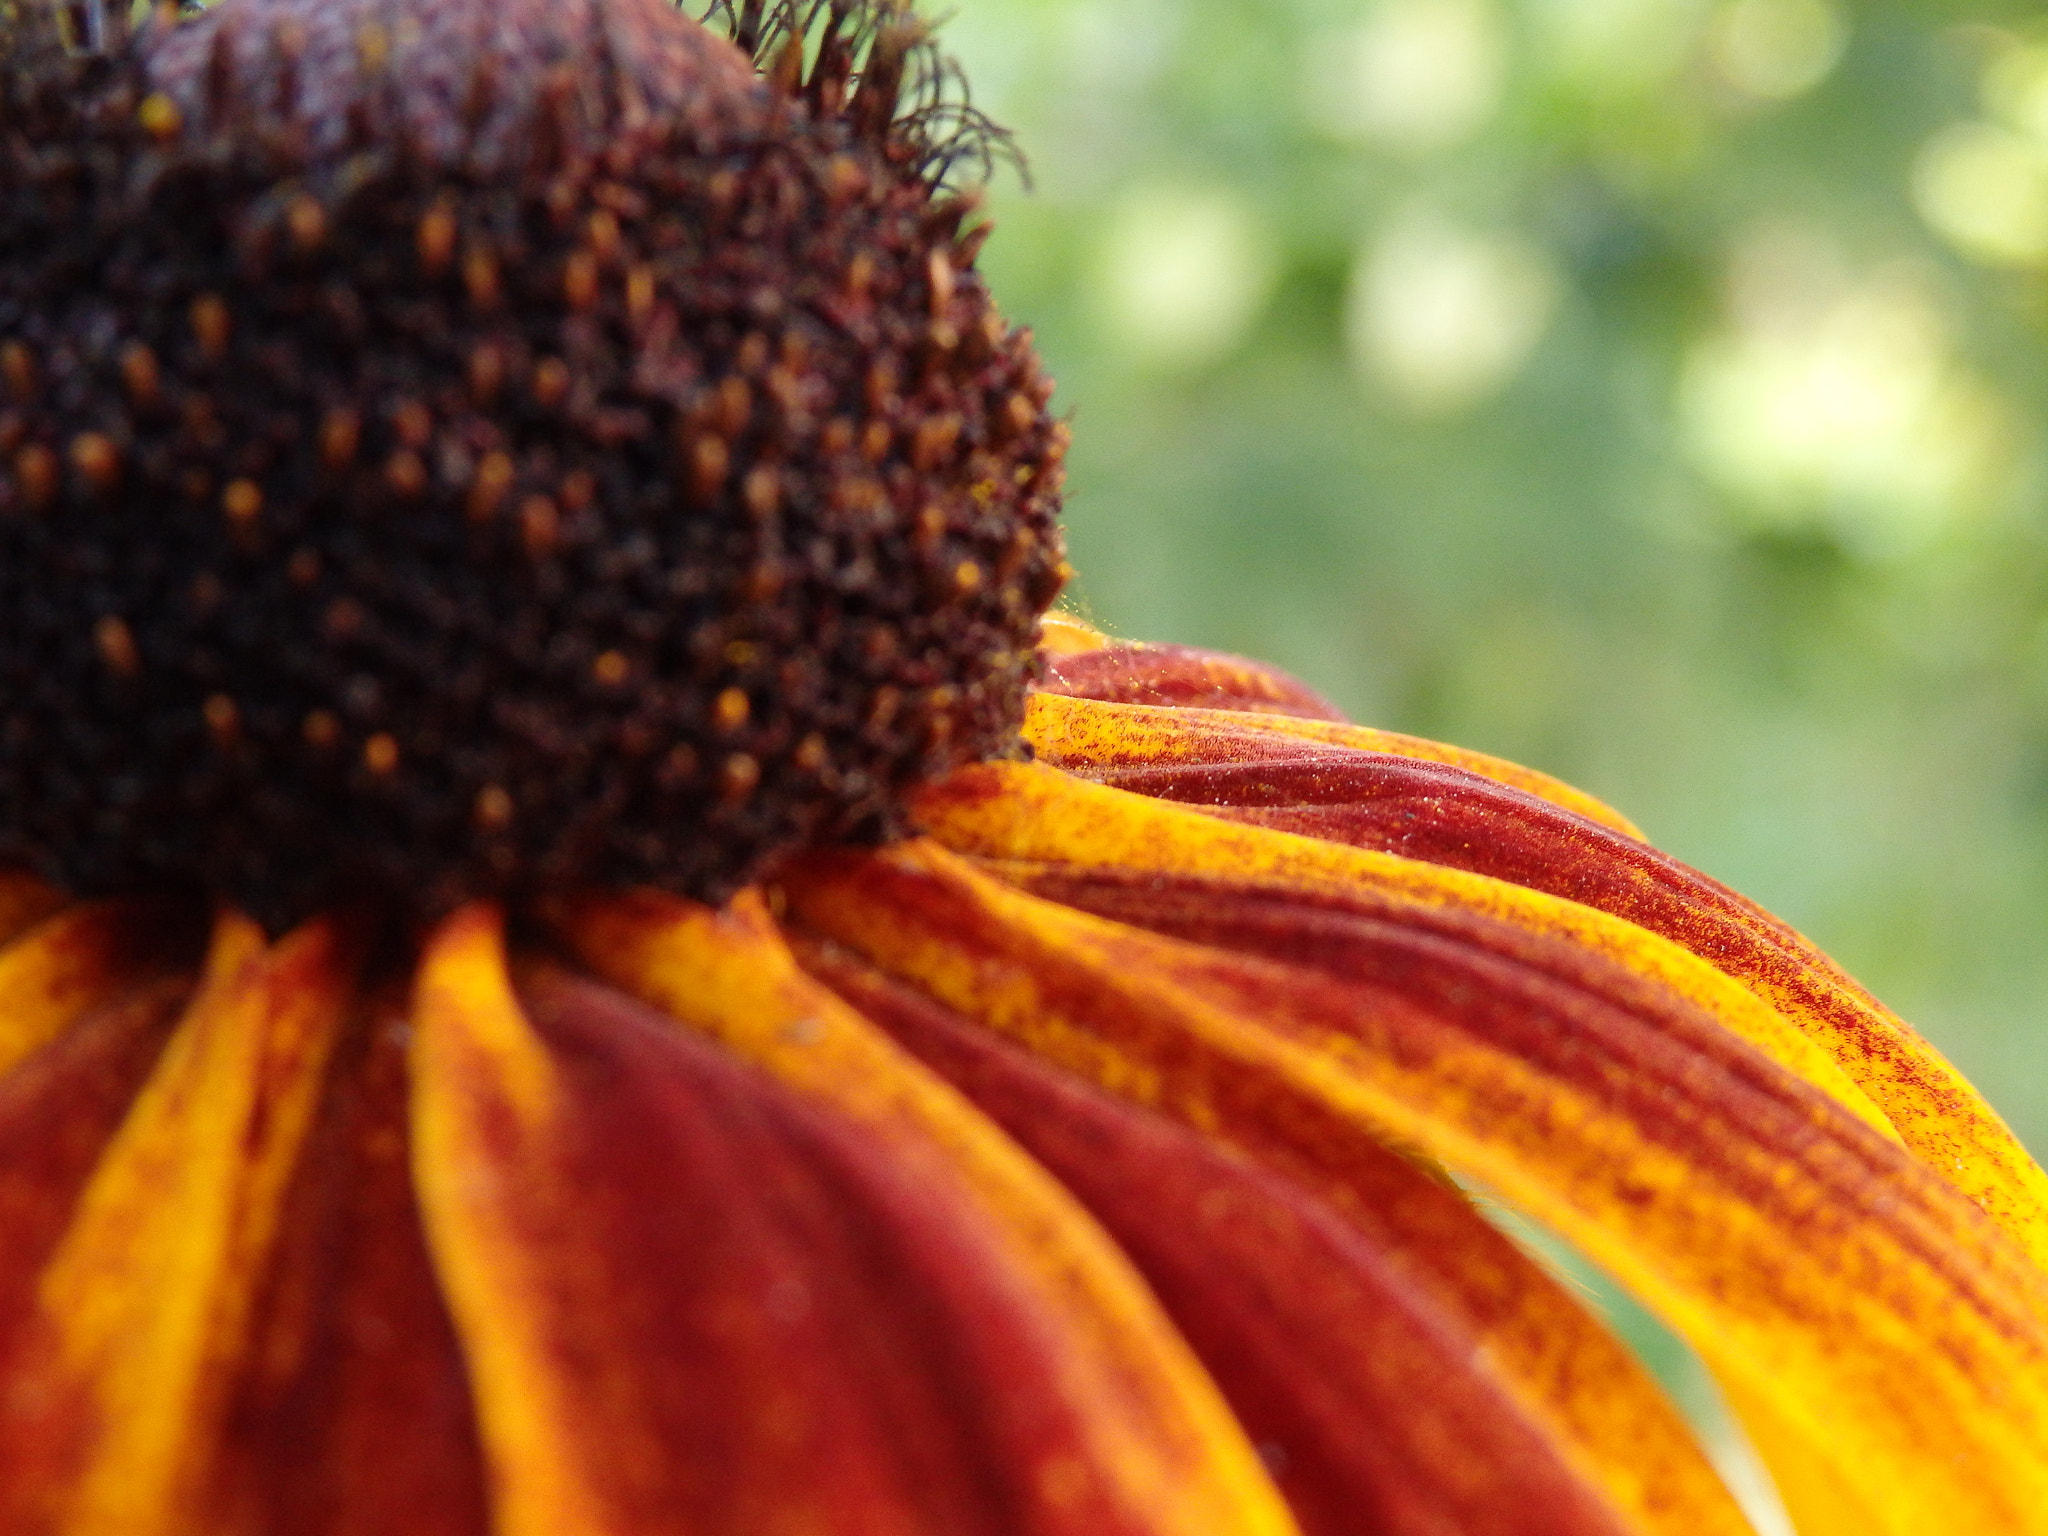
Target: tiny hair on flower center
x=496, y=445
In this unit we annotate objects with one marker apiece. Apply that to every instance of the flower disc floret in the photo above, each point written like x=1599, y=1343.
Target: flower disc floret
x=478, y=448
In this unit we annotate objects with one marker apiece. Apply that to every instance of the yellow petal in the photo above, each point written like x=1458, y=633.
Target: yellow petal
x=1028, y=812
x=1159, y=1437
x=1893, y=1329
x=77, y=960
x=1087, y=730
x=145, y=1306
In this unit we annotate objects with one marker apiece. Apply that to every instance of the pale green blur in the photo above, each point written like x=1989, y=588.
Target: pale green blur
x=1654, y=391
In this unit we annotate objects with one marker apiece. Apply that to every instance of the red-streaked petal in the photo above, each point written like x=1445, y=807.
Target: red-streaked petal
x=351, y=1414
x=79, y=959
x=58, y=1109
x=1181, y=675
x=142, y=1312
x=1815, y=1263
x=1035, y=814
x=1378, y=1351
x=1088, y=736
x=701, y=1296
x=24, y=901
x=1444, y=815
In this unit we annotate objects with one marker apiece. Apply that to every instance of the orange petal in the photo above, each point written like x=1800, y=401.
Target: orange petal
x=1086, y=735
x=1062, y=634
x=1181, y=675
x=787, y=1284
x=351, y=1414
x=58, y=1109
x=80, y=959
x=1029, y=812
x=143, y=1308
x=1447, y=816
x=1894, y=1328
x=1401, y=1366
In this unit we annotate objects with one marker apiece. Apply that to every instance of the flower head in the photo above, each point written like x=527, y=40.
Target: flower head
x=758, y=1031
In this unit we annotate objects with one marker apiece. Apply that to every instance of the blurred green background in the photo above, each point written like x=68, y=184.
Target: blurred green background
x=1653, y=391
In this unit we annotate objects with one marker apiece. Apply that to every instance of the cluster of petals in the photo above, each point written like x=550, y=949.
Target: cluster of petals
x=1094, y=1162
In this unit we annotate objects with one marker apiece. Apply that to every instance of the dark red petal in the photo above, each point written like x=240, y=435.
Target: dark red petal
x=1445, y=815
x=696, y=1299
x=351, y=1415
x=1367, y=1389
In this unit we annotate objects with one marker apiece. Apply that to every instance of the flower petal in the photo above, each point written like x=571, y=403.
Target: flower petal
x=24, y=901
x=351, y=1414
x=1402, y=1367
x=1086, y=735
x=1444, y=815
x=80, y=959
x=1894, y=1328
x=791, y=1284
x=143, y=1309
x=1028, y=812
x=1181, y=675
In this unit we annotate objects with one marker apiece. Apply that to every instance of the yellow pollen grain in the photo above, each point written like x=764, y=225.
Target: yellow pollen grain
x=860, y=273
x=601, y=230
x=139, y=373
x=611, y=669
x=211, y=325
x=306, y=221
x=550, y=382
x=320, y=729
x=480, y=278
x=494, y=475
x=95, y=457
x=738, y=776
x=18, y=365
x=160, y=117
x=580, y=280
x=761, y=491
x=413, y=423
x=35, y=471
x=710, y=462
x=810, y=753
x=380, y=754
x=844, y=178
x=966, y=576
x=639, y=294
x=493, y=809
x=373, y=47
x=222, y=717
x=729, y=711
x=340, y=431
x=578, y=490
x=405, y=474
x=486, y=371
x=733, y=407
x=116, y=644
x=242, y=501
x=540, y=526
x=434, y=239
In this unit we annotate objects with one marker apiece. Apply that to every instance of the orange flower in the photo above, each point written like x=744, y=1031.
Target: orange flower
x=728, y=1061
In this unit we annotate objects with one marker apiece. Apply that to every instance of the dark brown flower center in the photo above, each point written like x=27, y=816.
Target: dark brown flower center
x=491, y=445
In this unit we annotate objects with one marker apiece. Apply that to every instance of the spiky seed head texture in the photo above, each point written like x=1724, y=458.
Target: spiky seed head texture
x=491, y=446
